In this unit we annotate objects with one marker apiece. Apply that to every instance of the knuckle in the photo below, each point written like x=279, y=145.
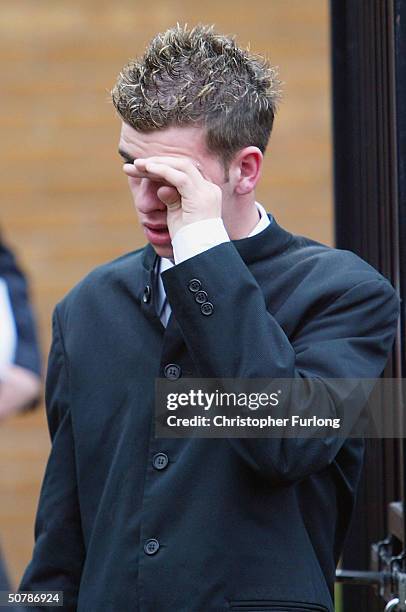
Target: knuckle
x=183, y=181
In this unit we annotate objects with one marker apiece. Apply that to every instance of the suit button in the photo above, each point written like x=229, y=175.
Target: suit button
x=172, y=371
x=147, y=294
x=151, y=546
x=160, y=461
x=194, y=285
x=200, y=297
x=207, y=308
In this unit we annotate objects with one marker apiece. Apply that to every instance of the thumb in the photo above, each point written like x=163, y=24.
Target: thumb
x=170, y=196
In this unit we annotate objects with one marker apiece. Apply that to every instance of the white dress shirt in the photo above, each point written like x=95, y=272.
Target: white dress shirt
x=193, y=239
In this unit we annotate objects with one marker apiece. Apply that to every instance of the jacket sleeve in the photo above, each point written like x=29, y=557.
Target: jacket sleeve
x=59, y=552
x=347, y=337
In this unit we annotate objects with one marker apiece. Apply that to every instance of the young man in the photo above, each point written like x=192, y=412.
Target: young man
x=127, y=521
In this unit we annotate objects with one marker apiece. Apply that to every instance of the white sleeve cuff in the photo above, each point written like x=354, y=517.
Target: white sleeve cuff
x=198, y=237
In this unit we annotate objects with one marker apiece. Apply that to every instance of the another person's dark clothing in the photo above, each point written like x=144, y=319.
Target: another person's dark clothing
x=228, y=524
x=27, y=354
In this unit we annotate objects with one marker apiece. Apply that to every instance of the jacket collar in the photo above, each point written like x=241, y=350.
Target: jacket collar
x=271, y=241
x=268, y=243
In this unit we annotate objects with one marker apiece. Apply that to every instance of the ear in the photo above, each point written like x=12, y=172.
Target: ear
x=246, y=169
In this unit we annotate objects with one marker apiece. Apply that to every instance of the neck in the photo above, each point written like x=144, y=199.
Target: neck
x=245, y=218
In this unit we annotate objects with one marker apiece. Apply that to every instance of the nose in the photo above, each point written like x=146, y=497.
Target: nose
x=146, y=197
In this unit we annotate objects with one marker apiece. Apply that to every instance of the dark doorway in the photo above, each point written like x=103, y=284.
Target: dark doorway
x=368, y=42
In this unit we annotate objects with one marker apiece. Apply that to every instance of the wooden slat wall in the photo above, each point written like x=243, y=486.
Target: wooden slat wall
x=64, y=200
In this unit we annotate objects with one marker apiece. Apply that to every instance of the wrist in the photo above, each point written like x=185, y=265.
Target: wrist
x=197, y=237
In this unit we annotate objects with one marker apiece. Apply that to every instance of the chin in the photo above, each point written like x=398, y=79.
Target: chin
x=163, y=251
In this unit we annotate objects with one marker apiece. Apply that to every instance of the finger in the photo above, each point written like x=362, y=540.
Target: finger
x=183, y=164
x=177, y=178
x=132, y=171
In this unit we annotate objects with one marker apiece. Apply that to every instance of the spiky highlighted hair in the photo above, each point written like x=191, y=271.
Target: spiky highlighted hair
x=199, y=77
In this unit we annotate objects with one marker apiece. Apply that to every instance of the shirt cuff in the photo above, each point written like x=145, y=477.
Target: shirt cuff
x=195, y=238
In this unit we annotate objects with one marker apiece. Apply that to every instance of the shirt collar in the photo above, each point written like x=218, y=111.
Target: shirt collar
x=263, y=222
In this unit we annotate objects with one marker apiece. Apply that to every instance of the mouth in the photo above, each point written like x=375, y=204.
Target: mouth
x=157, y=234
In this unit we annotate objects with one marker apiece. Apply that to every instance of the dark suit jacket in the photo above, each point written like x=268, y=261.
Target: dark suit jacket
x=235, y=524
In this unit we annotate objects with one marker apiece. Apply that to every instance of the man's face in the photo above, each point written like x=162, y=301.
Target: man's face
x=186, y=142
